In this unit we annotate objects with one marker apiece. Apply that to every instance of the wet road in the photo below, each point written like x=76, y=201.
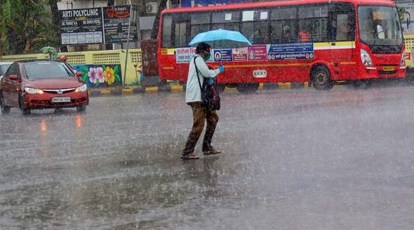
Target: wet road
x=292, y=159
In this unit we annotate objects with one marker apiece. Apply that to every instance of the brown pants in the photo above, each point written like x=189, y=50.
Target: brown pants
x=200, y=115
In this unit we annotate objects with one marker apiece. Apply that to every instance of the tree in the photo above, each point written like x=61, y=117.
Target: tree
x=27, y=25
x=154, y=32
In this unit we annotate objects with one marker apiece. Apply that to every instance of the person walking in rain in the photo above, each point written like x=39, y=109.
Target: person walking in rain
x=193, y=98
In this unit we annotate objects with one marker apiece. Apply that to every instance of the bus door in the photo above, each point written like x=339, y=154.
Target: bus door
x=342, y=41
x=181, y=38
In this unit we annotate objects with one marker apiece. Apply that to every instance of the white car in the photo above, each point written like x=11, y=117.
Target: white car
x=3, y=67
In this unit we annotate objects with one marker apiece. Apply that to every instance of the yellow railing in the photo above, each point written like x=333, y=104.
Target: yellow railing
x=97, y=57
x=409, y=45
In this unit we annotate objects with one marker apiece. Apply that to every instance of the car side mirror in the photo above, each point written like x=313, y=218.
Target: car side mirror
x=13, y=77
x=79, y=76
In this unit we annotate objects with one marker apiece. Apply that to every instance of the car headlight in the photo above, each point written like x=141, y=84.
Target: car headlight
x=365, y=58
x=33, y=90
x=82, y=88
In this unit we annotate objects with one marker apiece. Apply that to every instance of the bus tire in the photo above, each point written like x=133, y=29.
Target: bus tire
x=247, y=87
x=321, y=78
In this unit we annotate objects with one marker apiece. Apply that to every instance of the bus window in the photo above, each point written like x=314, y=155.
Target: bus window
x=223, y=17
x=200, y=22
x=310, y=19
x=228, y=20
x=341, y=25
x=181, y=34
x=261, y=33
x=320, y=29
x=379, y=25
x=166, y=31
x=343, y=28
x=283, y=20
x=254, y=26
x=180, y=29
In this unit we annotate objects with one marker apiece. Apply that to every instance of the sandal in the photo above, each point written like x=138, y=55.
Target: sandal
x=211, y=151
x=191, y=156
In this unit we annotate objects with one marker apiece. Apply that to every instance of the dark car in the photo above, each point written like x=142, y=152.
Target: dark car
x=42, y=84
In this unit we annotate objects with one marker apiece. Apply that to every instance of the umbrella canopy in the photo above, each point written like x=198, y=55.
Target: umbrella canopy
x=225, y=36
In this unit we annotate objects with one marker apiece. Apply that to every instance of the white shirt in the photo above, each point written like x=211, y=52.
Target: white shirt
x=193, y=91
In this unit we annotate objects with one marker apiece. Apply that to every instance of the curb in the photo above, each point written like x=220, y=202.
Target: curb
x=180, y=88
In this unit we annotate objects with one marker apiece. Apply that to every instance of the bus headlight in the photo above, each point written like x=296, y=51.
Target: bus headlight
x=82, y=88
x=33, y=90
x=365, y=58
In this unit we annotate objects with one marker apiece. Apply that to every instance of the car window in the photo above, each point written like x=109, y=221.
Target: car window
x=3, y=68
x=42, y=70
x=14, y=69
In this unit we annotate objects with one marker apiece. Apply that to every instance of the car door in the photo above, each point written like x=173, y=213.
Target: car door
x=11, y=85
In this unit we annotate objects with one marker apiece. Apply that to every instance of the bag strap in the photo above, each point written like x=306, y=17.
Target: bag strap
x=198, y=77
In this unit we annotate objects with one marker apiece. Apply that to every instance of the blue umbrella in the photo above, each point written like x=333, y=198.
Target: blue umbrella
x=220, y=35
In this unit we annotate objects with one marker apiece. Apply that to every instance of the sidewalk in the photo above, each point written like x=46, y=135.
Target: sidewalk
x=129, y=90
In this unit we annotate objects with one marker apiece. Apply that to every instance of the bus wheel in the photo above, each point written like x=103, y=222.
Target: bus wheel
x=221, y=87
x=361, y=84
x=247, y=87
x=321, y=78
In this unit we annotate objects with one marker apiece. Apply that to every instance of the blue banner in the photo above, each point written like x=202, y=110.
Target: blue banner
x=187, y=3
x=292, y=51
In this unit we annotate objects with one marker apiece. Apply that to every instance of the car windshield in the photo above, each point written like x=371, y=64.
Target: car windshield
x=379, y=25
x=42, y=70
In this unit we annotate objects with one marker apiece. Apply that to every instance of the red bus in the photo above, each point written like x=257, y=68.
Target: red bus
x=347, y=41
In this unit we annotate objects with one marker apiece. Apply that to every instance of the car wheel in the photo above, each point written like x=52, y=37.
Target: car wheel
x=4, y=108
x=81, y=108
x=321, y=78
x=25, y=111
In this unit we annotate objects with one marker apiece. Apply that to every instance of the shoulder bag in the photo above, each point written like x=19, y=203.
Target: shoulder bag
x=209, y=93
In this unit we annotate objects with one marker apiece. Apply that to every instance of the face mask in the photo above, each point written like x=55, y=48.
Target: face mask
x=207, y=57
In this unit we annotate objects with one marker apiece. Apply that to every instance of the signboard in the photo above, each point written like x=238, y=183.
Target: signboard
x=257, y=53
x=98, y=25
x=116, y=21
x=240, y=54
x=294, y=51
x=407, y=23
x=81, y=26
x=222, y=54
x=184, y=55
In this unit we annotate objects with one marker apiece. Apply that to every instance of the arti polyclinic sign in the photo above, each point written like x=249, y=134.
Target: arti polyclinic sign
x=81, y=26
x=192, y=3
x=98, y=25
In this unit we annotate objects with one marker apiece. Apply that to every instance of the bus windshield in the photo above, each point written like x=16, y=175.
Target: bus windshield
x=379, y=25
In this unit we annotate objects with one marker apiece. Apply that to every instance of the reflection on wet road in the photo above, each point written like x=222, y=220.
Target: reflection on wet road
x=297, y=159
